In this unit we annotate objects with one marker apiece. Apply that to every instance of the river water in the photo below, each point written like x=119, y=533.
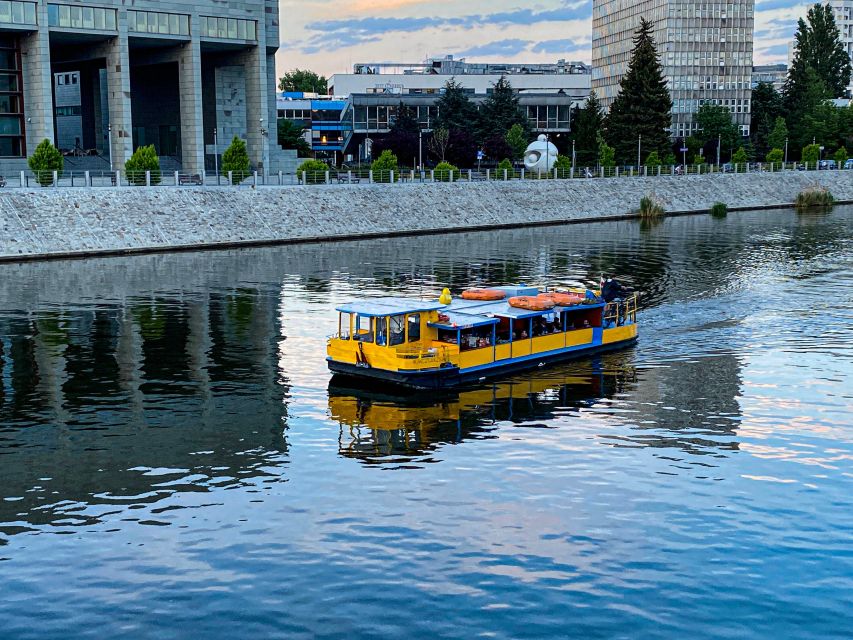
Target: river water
x=174, y=463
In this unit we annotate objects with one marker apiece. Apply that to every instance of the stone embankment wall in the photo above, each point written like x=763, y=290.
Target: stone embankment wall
x=60, y=222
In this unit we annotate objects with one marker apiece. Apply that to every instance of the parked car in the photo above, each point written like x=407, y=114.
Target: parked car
x=827, y=164
x=849, y=164
x=728, y=167
x=2, y=181
x=193, y=178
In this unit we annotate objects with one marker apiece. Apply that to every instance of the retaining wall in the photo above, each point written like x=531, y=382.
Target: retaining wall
x=59, y=222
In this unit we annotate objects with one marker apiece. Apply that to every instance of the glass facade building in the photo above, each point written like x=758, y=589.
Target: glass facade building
x=705, y=49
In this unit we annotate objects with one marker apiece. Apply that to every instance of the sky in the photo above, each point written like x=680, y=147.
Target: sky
x=328, y=36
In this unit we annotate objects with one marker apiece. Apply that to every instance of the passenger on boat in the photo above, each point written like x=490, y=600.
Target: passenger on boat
x=612, y=290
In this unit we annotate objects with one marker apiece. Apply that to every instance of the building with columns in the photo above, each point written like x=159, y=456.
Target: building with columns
x=162, y=73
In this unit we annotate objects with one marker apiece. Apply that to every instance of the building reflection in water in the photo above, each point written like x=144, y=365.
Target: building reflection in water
x=377, y=428
x=130, y=403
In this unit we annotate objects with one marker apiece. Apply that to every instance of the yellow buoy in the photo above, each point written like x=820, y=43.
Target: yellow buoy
x=445, y=297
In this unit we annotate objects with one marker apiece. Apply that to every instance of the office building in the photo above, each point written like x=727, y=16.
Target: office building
x=106, y=77
x=843, y=10
x=775, y=74
x=705, y=50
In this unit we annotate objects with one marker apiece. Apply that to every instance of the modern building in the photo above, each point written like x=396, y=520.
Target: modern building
x=110, y=76
x=705, y=50
x=775, y=74
x=843, y=10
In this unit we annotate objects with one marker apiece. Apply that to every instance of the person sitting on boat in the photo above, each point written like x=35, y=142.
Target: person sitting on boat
x=612, y=290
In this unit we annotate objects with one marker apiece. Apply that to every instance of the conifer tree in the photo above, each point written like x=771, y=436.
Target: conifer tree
x=818, y=45
x=766, y=106
x=455, y=109
x=588, y=126
x=500, y=111
x=643, y=105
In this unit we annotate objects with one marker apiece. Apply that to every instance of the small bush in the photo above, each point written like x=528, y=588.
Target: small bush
x=811, y=154
x=504, y=164
x=314, y=170
x=445, y=172
x=651, y=207
x=563, y=165
x=697, y=159
x=840, y=157
x=740, y=156
x=653, y=159
x=719, y=210
x=383, y=166
x=45, y=160
x=815, y=197
x=143, y=159
x=236, y=160
x=669, y=159
x=775, y=156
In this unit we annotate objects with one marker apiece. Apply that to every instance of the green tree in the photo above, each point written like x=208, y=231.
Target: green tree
x=45, y=160
x=563, y=165
x=143, y=159
x=402, y=138
x=438, y=143
x=643, y=105
x=811, y=154
x=588, y=126
x=290, y=136
x=303, y=80
x=804, y=99
x=821, y=124
x=455, y=109
x=840, y=156
x=669, y=159
x=314, y=171
x=500, y=112
x=765, y=106
x=779, y=135
x=504, y=164
x=606, y=153
x=818, y=46
x=517, y=138
x=383, y=166
x=235, y=159
x=653, y=159
x=740, y=156
x=716, y=125
x=775, y=156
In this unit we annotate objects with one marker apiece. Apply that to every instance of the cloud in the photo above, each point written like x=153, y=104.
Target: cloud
x=330, y=34
x=775, y=50
x=509, y=47
x=559, y=46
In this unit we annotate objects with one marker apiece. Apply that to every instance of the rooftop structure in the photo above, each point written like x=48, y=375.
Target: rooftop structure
x=705, y=49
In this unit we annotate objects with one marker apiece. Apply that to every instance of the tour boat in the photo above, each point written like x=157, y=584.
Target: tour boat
x=428, y=344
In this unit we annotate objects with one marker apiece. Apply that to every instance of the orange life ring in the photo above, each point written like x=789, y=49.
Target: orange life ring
x=562, y=298
x=483, y=294
x=531, y=303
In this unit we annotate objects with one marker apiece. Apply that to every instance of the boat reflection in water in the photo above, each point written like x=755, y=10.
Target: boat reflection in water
x=378, y=428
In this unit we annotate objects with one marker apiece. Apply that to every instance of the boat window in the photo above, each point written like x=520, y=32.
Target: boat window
x=476, y=338
x=363, y=329
x=503, y=331
x=344, y=320
x=547, y=324
x=447, y=335
x=398, y=327
x=414, y=320
x=381, y=330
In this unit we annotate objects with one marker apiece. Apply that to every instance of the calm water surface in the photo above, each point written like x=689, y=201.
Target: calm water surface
x=174, y=463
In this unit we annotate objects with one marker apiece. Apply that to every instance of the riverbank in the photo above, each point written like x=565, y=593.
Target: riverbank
x=58, y=222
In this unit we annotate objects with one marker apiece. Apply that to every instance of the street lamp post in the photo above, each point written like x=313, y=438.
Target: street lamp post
x=719, y=142
x=547, y=155
x=574, y=158
x=110, y=144
x=216, y=156
x=263, y=146
x=786, y=150
x=639, y=149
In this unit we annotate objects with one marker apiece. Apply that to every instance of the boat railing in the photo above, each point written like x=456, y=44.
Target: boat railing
x=621, y=311
x=439, y=354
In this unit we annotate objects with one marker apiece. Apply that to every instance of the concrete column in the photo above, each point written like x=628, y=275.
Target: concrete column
x=117, y=56
x=254, y=61
x=189, y=90
x=38, y=83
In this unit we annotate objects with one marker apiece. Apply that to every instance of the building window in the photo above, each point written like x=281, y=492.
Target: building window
x=228, y=28
x=169, y=24
x=17, y=12
x=11, y=99
x=76, y=17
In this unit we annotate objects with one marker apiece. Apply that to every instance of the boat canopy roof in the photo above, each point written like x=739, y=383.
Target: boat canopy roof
x=502, y=309
x=457, y=320
x=388, y=306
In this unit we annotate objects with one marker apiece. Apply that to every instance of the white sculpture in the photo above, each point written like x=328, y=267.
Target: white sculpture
x=540, y=155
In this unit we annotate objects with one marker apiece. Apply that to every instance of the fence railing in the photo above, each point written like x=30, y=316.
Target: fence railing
x=355, y=176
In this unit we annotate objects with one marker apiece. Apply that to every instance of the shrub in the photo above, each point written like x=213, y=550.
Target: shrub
x=383, y=166
x=719, y=210
x=504, y=164
x=236, y=160
x=697, y=159
x=443, y=171
x=840, y=157
x=775, y=156
x=669, y=159
x=45, y=160
x=143, y=159
x=651, y=207
x=811, y=154
x=563, y=165
x=814, y=197
x=314, y=170
x=740, y=156
x=653, y=159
